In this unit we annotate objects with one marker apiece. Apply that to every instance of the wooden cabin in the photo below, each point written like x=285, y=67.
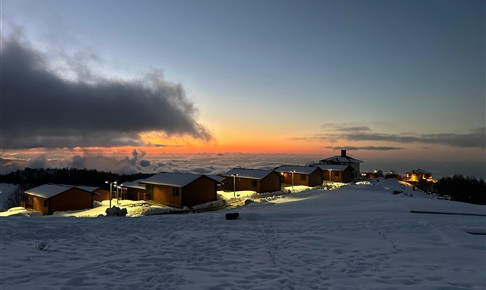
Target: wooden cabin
x=344, y=159
x=99, y=194
x=300, y=175
x=337, y=173
x=49, y=198
x=257, y=180
x=180, y=189
x=134, y=190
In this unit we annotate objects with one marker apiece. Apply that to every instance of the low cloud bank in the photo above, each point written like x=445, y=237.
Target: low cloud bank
x=334, y=132
x=212, y=163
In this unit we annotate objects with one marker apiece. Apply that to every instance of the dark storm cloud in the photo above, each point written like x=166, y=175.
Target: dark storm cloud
x=42, y=109
x=371, y=148
x=473, y=139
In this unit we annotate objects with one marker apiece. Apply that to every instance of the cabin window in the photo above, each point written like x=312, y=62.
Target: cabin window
x=45, y=202
x=303, y=177
x=175, y=191
x=254, y=183
x=337, y=173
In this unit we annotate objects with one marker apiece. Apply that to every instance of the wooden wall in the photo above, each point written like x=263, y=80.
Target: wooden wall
x=270, y=183
x=72, y=199
x=200, y=191
x=135, y=193
x=163, y=194
x=101, y=194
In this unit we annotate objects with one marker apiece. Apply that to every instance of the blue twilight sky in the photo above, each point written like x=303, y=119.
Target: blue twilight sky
x=295, y=73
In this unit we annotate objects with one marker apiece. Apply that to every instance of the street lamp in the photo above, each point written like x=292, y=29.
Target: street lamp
x=111, y=188
x=234, y=184
x=330, y=175
x=118, y=194
x=293, y=171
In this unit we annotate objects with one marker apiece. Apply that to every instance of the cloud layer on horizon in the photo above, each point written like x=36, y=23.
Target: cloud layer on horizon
x=41, y=108
x=334, y=132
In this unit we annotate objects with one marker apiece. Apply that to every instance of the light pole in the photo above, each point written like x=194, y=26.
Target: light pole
x=118, y=194
x=234, y=184
x=330, y=175
x=293, y=171
x=111, y=188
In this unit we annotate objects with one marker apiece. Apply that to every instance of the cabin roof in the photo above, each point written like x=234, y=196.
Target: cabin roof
x=341, y=159
x=334, y=167
x=87, y=188
x=134, y=184
x=172, y=179
x=248, y=173
x=296, y=169
x=48, y=190
x=218, y=178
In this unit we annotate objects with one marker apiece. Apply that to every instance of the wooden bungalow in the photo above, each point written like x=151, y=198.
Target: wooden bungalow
x=134, y=190
x=180, y=189
x=344, y=159
x=49, y=198
x=337, y=173
x=252, y=179
x=99, y=194
x=300, y=175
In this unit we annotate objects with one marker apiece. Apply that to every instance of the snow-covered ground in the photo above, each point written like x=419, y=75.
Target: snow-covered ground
x=6, y=190
x=354, y=237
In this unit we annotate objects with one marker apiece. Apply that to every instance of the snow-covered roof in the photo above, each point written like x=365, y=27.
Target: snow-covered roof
x=216, y=177
x=88, y=188
x=296, y=169
x=248, y=173
x=341, y=159
x=334, y=167
x=48, y=190
x=172, y=179
x=134, y=184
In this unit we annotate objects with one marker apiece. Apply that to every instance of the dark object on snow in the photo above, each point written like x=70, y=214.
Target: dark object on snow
x=248, y=201
x=116, y=211
x=397, y=191
x=232, y=216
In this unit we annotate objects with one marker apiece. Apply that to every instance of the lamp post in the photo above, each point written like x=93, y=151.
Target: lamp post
x=234, y=184
x=293, y=171
x=330, y=175
x=121, y=190
x=111, y=188
x=118, y=194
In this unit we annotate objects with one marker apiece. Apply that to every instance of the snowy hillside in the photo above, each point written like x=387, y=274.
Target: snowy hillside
x=355, y=237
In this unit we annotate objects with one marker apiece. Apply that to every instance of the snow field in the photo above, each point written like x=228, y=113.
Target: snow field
x=355, y=237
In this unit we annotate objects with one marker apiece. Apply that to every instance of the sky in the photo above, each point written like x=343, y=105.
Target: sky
x=390, y=81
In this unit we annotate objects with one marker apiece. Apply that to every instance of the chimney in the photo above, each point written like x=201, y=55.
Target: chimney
x=343, y=153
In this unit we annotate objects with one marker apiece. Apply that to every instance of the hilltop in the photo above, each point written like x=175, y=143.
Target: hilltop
x=360, y=236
